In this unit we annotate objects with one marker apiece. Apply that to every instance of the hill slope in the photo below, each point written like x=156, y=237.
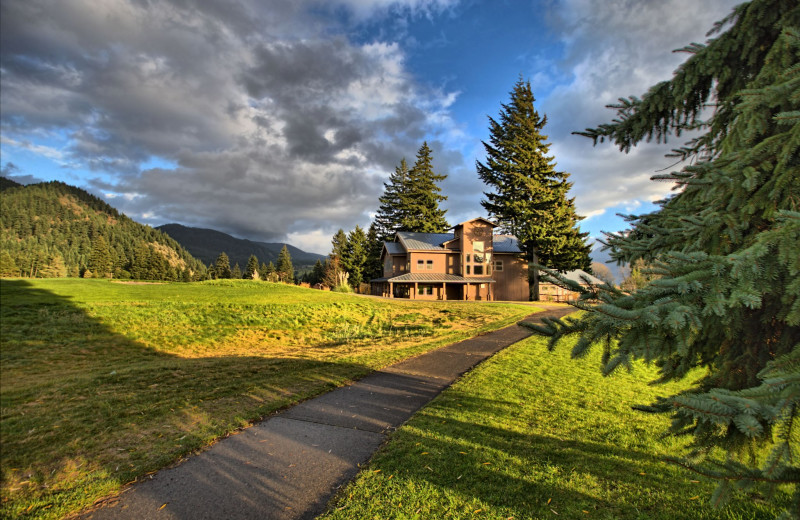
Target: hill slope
x=53, y=229
x=207, y=244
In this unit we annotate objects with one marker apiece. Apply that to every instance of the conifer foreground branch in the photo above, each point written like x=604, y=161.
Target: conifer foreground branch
x=723, y=255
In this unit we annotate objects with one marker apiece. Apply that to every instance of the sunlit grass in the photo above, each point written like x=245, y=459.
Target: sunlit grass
x=531, y=434
x=104, y=382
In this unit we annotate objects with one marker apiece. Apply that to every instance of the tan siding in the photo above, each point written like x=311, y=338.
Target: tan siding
x=512, y=282
x=438, y=262
x=453, y=264
x=475, y=231
x=399, y=265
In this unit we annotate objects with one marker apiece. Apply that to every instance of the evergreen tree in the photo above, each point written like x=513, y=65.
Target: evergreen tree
x=236, y=272
x=222, y=267
x=529, y=197
x=54, y=268
x=725, y=249
x=100, y=261
x=251, y=271
x=354, y=260
x=317, y=274
x=284, y=268
x=391, y=210
x=271, y=275
x=339, y=245
x=420, y=200
x=8, y=267
x=374, y=267
x=262, y=272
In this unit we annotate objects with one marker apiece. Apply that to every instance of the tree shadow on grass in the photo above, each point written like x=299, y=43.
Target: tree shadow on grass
x=532, y=475
x=85, y=409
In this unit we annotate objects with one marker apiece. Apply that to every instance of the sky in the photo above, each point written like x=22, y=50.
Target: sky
x=280, y=121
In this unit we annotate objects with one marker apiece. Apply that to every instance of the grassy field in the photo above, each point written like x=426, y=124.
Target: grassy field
x=103, y=382
x=534, y=435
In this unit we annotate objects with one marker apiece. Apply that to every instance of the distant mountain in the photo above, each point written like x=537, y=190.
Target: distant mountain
x=8, y=183
x=207, y=244
x=52, y=229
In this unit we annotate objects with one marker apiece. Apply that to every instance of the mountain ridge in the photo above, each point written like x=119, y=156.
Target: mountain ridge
x=206, y=244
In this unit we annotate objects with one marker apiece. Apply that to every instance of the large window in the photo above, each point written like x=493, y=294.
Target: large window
x=478, y=269
x=477, y=248
x=420, y=265
x=429, y=264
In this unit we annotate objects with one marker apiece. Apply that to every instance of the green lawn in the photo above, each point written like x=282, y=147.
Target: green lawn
x=103, y=382
x=532, y=434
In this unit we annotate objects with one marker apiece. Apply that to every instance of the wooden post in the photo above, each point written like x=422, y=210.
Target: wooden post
x=391, y=290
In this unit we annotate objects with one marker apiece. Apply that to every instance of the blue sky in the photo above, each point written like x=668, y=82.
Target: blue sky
x=280, y=121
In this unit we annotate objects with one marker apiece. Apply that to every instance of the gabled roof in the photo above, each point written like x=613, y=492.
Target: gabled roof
x=506, y=244
x=423, y=241
x=473, y=220
x=393, y=248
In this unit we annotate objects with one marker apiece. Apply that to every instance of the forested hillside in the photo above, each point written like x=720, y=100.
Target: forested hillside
x=207, y=244
x=51, y=230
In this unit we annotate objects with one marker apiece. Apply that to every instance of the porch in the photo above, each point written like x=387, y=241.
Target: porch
x=424, y=286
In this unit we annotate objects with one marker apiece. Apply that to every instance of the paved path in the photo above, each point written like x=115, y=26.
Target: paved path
x=289, y=466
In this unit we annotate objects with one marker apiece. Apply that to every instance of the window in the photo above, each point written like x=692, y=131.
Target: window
x=478, y=269
x=498, y=265
x=426, y=289
x=468, y=266
x=420, y=265
x=477, y=247
x=430, y=265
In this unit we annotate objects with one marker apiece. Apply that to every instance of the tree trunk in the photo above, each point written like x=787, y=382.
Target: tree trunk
x=534, y=280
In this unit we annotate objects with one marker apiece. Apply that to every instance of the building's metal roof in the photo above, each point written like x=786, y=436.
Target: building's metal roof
x=424, y=241
x=434, y=278
x=578, y=276
x=394, y=248
x=505, y=244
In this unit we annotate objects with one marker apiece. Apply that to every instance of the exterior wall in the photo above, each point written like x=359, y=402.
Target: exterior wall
x=512, y=282
x=479, y=292
x=397, y=266
x=471, y=232
x=422, y=294
x=453, y=264
x=438, y=262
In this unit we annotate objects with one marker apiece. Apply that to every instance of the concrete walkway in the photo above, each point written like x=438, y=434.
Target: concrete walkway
x=290, y=465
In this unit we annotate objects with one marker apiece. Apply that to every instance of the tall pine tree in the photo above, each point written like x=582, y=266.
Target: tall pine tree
x=724, y=253
x=222, y=267
x=420, y=199
x=251, y=270
x=355, y=258
x=284, y=268
x=529, y=197
x=391, y=210
x=100, y=260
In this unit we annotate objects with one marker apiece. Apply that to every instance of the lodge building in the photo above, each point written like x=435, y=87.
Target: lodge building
x=472, y=263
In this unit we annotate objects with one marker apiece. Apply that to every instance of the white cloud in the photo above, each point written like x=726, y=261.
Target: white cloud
x=615, y=49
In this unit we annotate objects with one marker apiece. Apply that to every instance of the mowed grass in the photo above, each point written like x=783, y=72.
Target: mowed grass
x=535, y=435
x=104, y=382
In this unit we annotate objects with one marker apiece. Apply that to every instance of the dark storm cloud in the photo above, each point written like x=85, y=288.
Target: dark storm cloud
x=272, y=125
